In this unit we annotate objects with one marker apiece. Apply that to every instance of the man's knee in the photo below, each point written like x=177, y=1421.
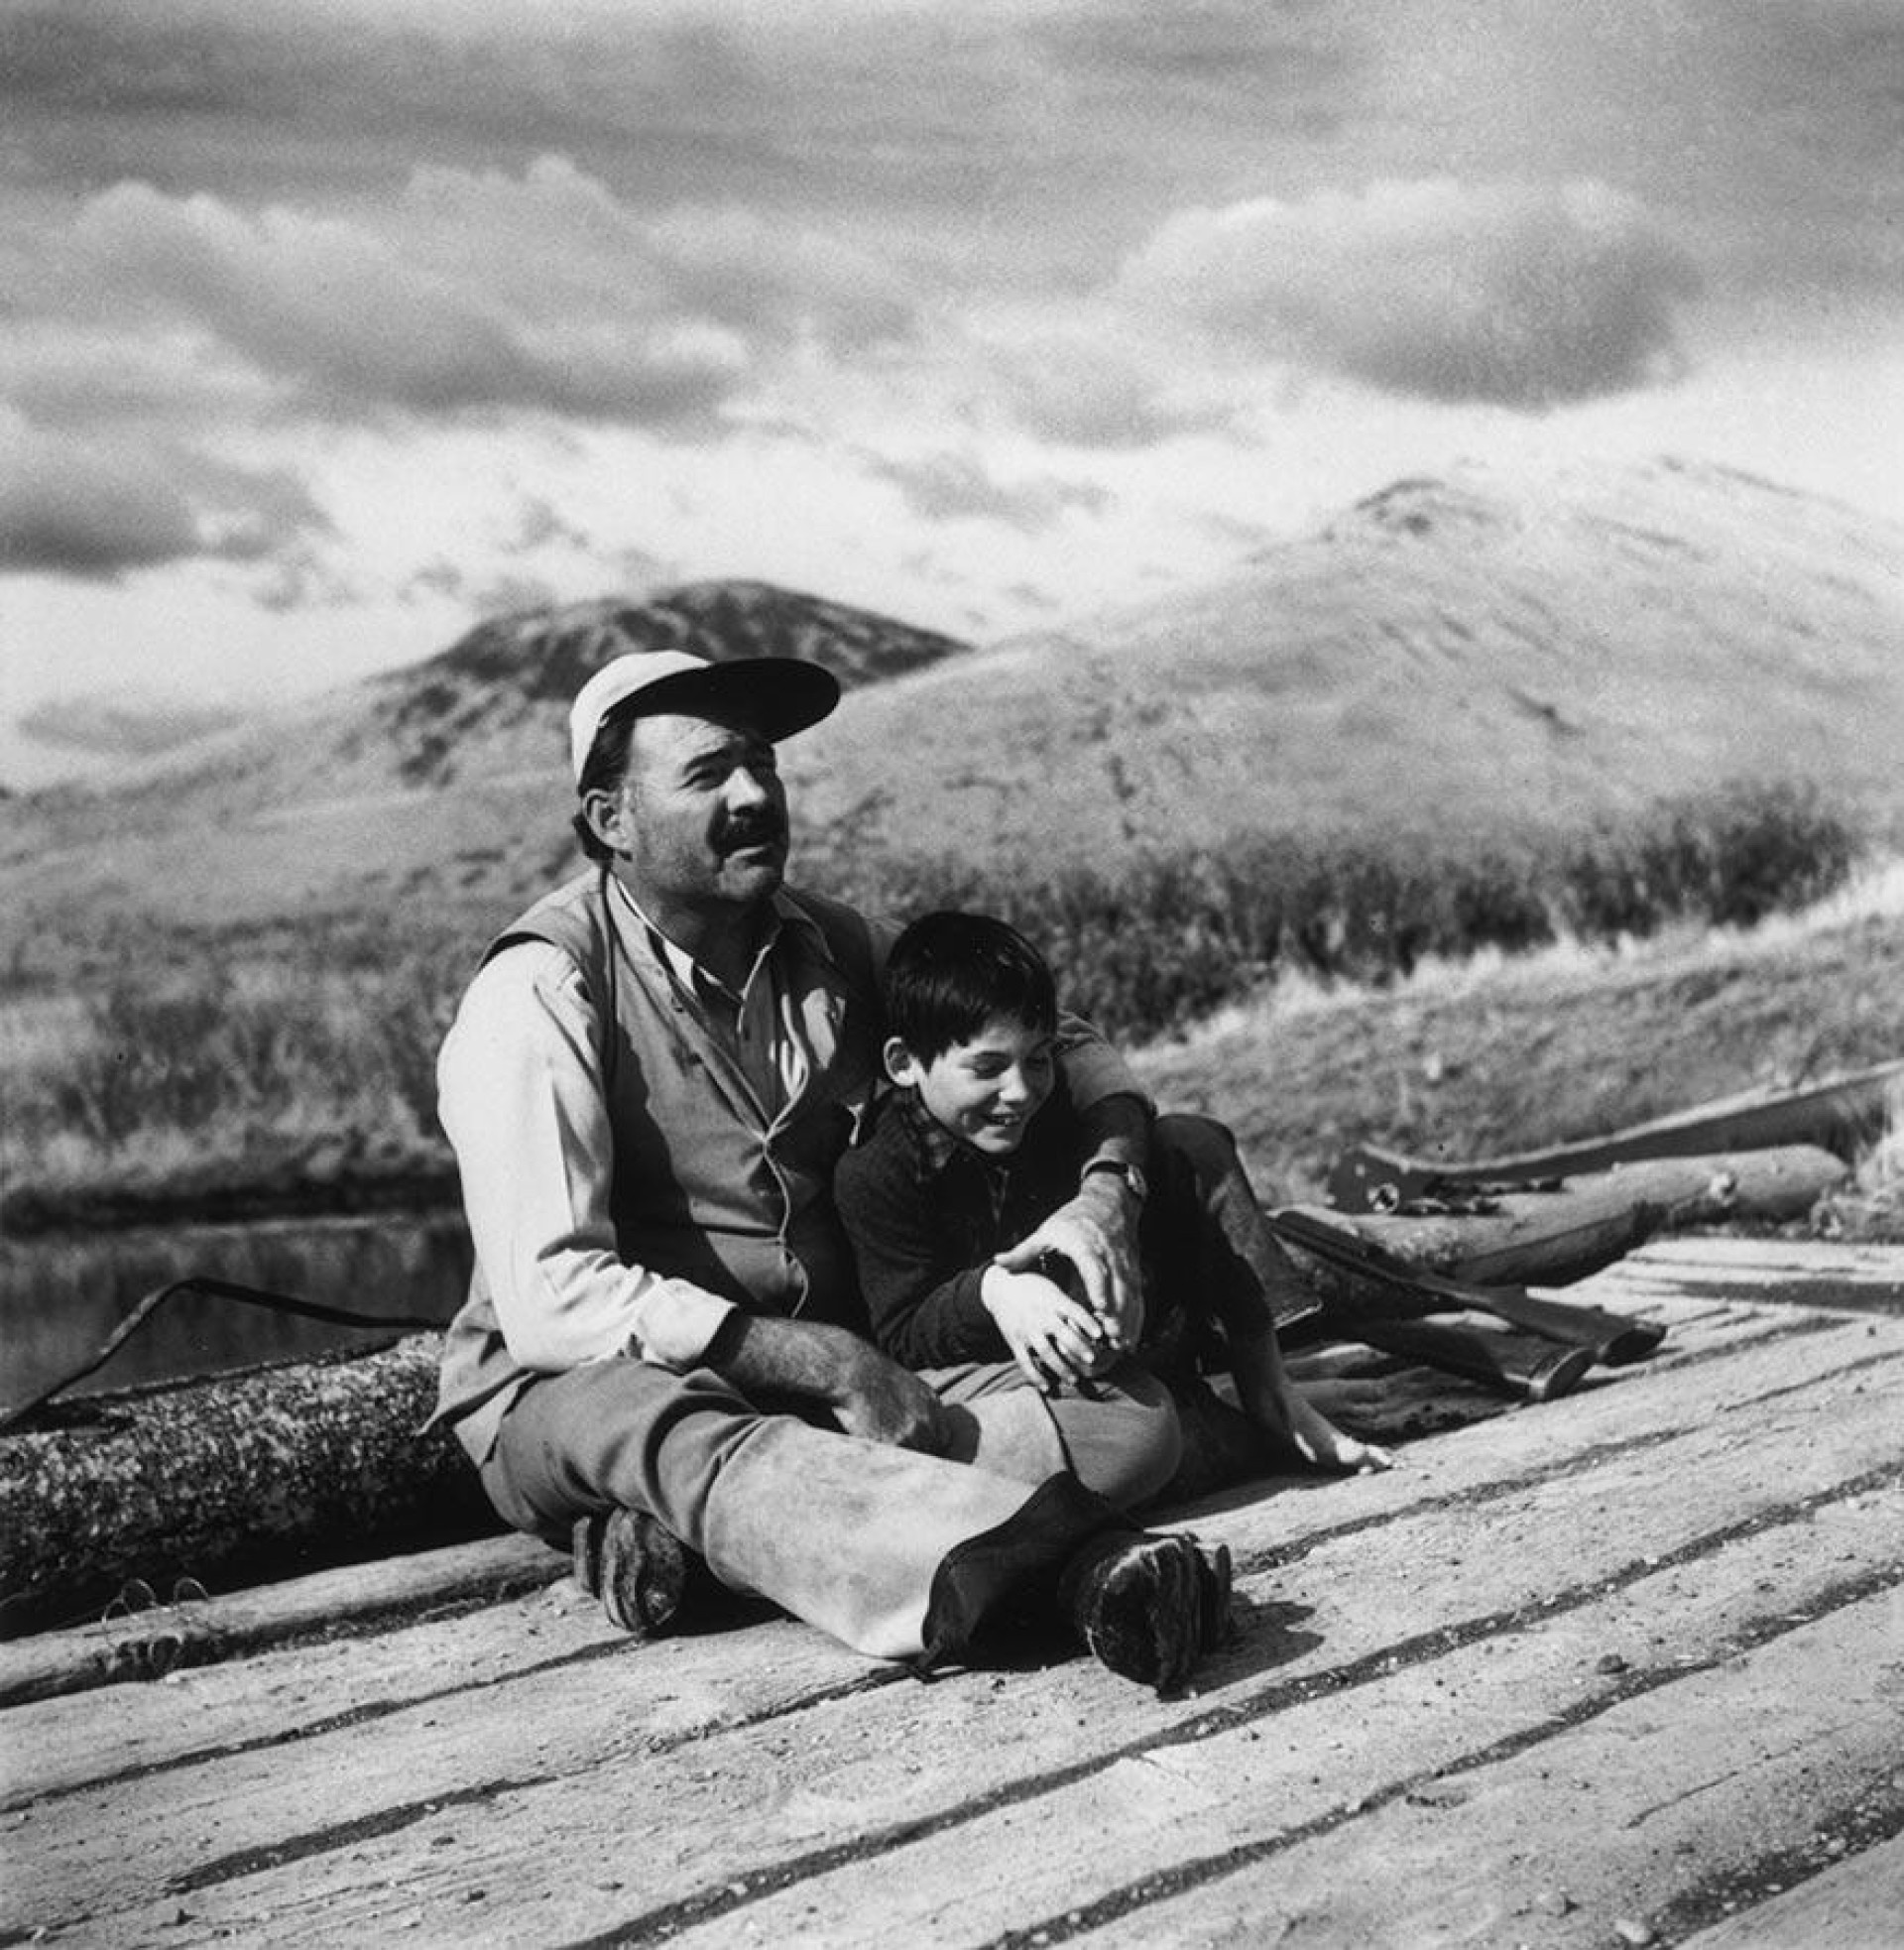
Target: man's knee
x=613, y=1434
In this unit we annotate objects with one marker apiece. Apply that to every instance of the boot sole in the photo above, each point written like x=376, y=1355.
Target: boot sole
x=1159, y=1604
x=636, y=1568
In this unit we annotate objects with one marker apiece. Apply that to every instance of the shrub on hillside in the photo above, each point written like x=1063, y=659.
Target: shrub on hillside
x=1173, y=936
x=1729, y=858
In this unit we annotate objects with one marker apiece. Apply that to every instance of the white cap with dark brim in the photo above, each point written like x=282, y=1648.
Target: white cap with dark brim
x=778, y=696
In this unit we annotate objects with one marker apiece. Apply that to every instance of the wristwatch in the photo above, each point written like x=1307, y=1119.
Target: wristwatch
x=1131, y=1176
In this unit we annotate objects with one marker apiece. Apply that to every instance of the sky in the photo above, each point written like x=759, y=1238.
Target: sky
x=329, y=328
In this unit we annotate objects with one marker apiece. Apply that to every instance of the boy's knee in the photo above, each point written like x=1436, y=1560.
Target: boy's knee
x=1193, y=1134
x=1126, y=1444
x=1187, y=1148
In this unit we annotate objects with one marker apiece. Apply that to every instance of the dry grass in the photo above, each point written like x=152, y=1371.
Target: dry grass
x=1871, y=1206
x=1570, y=1041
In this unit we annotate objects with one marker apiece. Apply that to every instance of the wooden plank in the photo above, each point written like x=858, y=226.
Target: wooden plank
x=529, y=1788
x=1189, y=1840
x=1279, y=1756
x=1858, y=1904
x=1803, y=1273
x=152, y=1643
x=1616, y=1815
x=199, y=1712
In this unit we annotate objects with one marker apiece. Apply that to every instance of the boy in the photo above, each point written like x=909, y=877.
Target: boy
x=978, y=1144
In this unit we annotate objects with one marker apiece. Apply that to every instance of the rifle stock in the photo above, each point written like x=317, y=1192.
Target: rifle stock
x=1525, y=1365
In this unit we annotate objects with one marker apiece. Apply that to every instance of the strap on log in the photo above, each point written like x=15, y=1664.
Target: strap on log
x=225, y=1290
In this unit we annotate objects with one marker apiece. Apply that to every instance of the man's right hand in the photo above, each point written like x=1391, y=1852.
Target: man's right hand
x=765, y=1357
x=885, y=1402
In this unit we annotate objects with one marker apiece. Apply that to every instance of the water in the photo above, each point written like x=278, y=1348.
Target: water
x=60, y=1299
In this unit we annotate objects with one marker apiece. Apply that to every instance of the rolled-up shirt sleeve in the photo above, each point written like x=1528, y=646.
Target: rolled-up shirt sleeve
x=1093, y=1071
x=520, y=1095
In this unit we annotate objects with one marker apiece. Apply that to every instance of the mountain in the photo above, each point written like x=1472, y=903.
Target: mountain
x=523, y=670
x=447, y=776
x=1454, y=653
x=1447, y=655
x=121, y=726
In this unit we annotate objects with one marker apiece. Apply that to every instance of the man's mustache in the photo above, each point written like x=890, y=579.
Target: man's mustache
x=763, y=829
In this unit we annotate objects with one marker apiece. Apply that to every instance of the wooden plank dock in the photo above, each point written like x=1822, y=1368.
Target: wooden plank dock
x=1624, y=1667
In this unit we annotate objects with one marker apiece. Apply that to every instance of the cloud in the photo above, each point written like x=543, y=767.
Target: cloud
x=557, y=235
x=95, y=511
x=353, y=319
x=470, y=292
x=1096, y=376
x=943, y=487
x=1519, y=295
x=68, y=511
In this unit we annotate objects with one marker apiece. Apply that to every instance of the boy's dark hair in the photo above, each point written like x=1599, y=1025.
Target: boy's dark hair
x=950, y=973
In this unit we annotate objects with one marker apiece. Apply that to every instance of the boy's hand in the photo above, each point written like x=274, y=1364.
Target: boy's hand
x=1097, y=1232
x=1316, y=1439
x=1052, y=1337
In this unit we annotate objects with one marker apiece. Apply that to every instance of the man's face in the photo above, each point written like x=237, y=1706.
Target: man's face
x=701, y=816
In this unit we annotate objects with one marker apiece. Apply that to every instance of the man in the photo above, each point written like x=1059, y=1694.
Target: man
x=647, y=1086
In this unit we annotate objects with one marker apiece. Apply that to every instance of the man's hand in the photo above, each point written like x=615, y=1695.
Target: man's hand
x=1097, y=1232
x=884, y=1402
x=767, y=1358
x=1051, y=1336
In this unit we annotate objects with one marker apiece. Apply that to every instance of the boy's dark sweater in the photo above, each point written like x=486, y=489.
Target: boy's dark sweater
x=925, y=1213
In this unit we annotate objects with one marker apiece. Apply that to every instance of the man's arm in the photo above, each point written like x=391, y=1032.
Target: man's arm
x=1097, y=1229
x=766, y=1358
x=521, y=1099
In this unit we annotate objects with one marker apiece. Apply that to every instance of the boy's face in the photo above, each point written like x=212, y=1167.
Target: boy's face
x=985, y=1091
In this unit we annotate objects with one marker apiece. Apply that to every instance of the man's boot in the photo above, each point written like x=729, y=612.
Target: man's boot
x=640, y=1570
x=1147, y=1605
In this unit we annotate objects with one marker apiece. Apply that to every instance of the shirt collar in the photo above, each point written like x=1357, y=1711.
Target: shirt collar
x=933, y=1147
x=688, y=972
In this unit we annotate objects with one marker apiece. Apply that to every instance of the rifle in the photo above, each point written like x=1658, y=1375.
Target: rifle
x=1608, y=1337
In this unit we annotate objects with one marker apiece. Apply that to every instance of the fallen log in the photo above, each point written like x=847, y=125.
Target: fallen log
x=1554, y=1238
x=232, y=1480
x=1839, y=1115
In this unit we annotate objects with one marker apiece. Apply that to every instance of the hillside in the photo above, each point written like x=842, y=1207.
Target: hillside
x=1447, y=654
x=444, y=779
x=1444, y=655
